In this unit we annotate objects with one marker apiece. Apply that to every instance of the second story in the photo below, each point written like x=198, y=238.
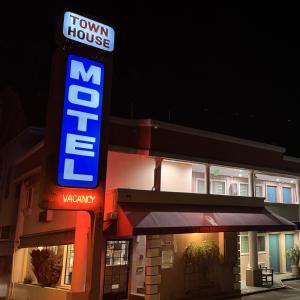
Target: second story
x=139, y=158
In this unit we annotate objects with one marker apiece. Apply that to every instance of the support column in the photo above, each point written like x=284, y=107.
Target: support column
x=81, y=252
x=207, y=178
x=153, y=267
x=252, y=183
x=253, y=274
x=157, y=174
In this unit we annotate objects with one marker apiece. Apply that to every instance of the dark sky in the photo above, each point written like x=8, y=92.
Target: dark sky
x=229, y=69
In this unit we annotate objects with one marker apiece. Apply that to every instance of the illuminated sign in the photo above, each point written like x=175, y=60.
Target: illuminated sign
x=81, y=124
x=89, y=32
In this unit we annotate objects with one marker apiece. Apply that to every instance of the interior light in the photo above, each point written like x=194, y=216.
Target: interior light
x=277, y=179
x=292, y=181
x=240, y=175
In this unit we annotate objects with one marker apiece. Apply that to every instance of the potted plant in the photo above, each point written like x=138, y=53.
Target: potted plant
x=294, y=255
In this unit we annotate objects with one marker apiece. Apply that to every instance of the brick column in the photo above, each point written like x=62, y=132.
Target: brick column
x=153, y=267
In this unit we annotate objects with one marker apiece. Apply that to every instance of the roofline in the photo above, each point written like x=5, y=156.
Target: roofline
x=30, y=152
x=217, y=136
x=197, y=132
x=291, y=159
x=27, y=130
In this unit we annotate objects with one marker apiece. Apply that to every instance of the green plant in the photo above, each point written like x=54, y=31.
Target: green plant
x=294, y=255
x=47, y=266
x=204, y=252
x=28, y=279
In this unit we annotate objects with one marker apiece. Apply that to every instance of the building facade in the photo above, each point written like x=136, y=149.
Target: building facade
x=9, y=199
x=188, y=213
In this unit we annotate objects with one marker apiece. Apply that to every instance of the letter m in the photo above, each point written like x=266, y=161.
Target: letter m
x=78, y=69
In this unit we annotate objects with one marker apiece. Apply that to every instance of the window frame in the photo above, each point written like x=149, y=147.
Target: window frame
x=258, y=252
x=276, y=189
x=262, y=190
x=240, y=183
x=291, y=189
x=218, y=180
x=203, y=180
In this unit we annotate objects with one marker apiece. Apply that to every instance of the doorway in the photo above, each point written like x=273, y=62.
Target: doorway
x=274, y=252
x=289, y=243
x=116, y=270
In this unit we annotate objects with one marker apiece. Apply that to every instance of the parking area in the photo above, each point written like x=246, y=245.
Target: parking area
x=291, y=292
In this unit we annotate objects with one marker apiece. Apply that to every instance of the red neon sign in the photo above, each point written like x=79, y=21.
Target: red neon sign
x=66, y=198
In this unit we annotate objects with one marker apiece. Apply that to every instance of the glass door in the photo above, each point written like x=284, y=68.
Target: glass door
x=116, y=270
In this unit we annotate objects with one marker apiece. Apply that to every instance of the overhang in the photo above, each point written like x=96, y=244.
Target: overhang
x=50, y=238
x=149, y=218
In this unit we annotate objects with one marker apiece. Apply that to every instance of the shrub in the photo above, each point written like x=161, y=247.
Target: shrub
x=47, y=266
x=294, y=255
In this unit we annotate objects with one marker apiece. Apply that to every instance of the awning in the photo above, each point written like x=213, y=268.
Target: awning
x=147, y=218
x=50, y=238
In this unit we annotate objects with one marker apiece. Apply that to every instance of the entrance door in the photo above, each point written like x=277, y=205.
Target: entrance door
x=274, y=252
x=289, y=243
x=116, y=270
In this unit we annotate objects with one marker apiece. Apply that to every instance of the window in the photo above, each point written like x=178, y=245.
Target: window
x=117, y=253
x=286, y=195
x=244, y=244
x=200, y=186
x=218, y=187
x=69, y=264
x=258, y=191
x=244, y=189
x=261, y=244
x=233, y=189
x=272, y=193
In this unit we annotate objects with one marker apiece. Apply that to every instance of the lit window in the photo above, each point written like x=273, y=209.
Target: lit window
x=218, y=187
x=200, y=186
x=286, y=195
x=69, y=264
x=244, y=189
x=272, y=194
x=259, y=191
x=244, y=244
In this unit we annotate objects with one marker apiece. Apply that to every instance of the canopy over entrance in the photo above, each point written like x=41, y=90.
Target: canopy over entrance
x=149, y=218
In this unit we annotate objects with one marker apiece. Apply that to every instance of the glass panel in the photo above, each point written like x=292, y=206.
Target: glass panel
x=287, y=195
x=244, y=189
x=244, y=244
x=259, y=191
x=218, y=187
x=200, y=186
x=69, y=264
x=261, y=243
x=272, y=194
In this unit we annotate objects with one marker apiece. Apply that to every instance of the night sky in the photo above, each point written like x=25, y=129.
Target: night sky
x=228, y=69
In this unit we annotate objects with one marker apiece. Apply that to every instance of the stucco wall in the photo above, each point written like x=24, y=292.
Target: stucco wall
x=129, y=171
x=173, y=279
x=34, y=292
x=61, y=219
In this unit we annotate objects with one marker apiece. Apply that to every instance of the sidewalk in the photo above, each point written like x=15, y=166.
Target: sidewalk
x=278, y=283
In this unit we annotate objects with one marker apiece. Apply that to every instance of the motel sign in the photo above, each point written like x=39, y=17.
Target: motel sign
x=81, y=123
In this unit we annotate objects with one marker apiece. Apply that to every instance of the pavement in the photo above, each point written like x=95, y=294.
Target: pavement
x=290, y=291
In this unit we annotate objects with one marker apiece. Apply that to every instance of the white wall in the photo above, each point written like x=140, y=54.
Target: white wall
x=129, y=171
x=176, y=177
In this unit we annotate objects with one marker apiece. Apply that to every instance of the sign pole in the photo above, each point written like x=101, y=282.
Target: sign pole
x=76, y=141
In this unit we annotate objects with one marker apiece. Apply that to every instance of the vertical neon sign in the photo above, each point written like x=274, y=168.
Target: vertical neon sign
x=81, y=123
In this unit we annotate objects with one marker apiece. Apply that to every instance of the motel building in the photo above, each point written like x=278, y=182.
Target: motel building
x=188, y=214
